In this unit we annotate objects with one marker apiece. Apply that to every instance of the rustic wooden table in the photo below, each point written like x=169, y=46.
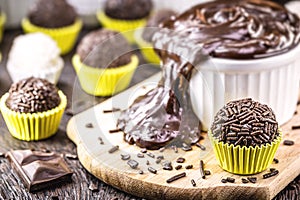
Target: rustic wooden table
x=11, y=186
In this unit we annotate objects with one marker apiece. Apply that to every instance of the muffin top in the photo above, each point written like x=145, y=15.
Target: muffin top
x=154, y=21
x=32, y=95
x=128, y=9
x=245, y=122
x=43, y=54
x=104, y=49
x=52, y=14
x=245, y=29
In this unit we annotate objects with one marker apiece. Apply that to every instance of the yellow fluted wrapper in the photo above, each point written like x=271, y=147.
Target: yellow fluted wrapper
x=2, y=22
x=244, y=160
x=146, y=48
x=65, y=37
x=33, y=126
x=126, y=27
x=104, y=82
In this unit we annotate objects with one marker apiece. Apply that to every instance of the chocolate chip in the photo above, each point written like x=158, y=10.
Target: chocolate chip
x=180, y=160
x=133, y=164
x=202, y=173
x=288, y=142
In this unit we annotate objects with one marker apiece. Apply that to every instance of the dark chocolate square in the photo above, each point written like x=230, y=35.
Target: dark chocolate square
x=39, y=170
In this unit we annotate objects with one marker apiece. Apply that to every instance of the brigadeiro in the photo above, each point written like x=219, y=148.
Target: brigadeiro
x=33, y=108
x=104, y=62
x=245, y=136
x=125, y=15
x=57, y=18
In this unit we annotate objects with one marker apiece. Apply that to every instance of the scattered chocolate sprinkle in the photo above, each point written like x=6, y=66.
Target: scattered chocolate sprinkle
x=202, y=173
x=158, y=161
x=193, y=183
x=178, y=167
x=151, y=155
x=270, y=174
x=161, y=157
x=115, y=130
x=147, y=162
x=186, y=147
x=152, y=170
x=100, y=140
x=224, y=180
x=207, y=172
x=245, y=180
x=167, y=165
x=93, y=187
x=189, y=166
x=230, y=179
x=288, y=142
x=275, y=160
x=133, y=164
x=125, y=156
x=180, y=160
x=141, y=172
x=252, y=179
x=144, y=150
x=113, y=149
x=294, y=127
x=296, y=112
x=71, y=156
x=112, y=110
x=89, y=125
x=176, y=177
x=140, y=155
x=202, y=147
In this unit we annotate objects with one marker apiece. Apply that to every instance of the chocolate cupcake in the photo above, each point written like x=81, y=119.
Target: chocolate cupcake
x=32, y=109
x=56, y=18
x=143, y=37
x=245, y=136
x=125, y=15
x=102, y=59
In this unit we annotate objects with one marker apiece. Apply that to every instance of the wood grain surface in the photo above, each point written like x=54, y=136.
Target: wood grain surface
x=110, y=168
x=11, y=186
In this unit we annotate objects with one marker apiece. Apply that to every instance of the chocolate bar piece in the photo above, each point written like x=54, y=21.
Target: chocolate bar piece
x=39, y=170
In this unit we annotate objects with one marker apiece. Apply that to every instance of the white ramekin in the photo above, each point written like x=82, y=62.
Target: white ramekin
x=51, y=74
x=273, y=81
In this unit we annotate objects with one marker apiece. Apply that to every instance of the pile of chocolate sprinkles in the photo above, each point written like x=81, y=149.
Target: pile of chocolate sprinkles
x=245, y=122
x=32, y=95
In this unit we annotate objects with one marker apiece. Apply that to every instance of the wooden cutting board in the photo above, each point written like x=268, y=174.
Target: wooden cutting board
x=110, y=168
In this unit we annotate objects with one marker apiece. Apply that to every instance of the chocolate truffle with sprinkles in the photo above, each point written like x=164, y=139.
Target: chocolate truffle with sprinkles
x=32, y=95
x=246, y=123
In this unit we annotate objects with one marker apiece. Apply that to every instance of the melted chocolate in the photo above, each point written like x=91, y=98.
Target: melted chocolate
x=239, y=30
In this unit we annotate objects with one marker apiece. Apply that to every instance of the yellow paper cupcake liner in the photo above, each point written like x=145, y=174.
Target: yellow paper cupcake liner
x=33, y=126
x=244, y=160
x=2, y=22
x=104, y=82
x=126, y=27
x=65, y=37
x=146, y=48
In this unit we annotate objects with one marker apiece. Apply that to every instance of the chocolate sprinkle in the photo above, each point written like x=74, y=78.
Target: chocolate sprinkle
x=193, y=183
x=140, y=155
x=252, y=179
x=133, y=164
x=167, y=165
x=202, y=173
x=141, y=172
x=207, y=172
x=189, y=166
x=176, y=177
x=152, y=170
x=294, y=127
x=245, y=180
x=202, y=147
x=180, y=160
x=178, y=167
x=32, y=95
x=288, y=142
x=224, y=180
x=268, y=175
x=125, y=156
x=230, y=179
x=253, y=124
x=112, y=110
x=275, y=160
x=113, y=149
x=151, y=155
x=115, y=130
x=89, y=125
